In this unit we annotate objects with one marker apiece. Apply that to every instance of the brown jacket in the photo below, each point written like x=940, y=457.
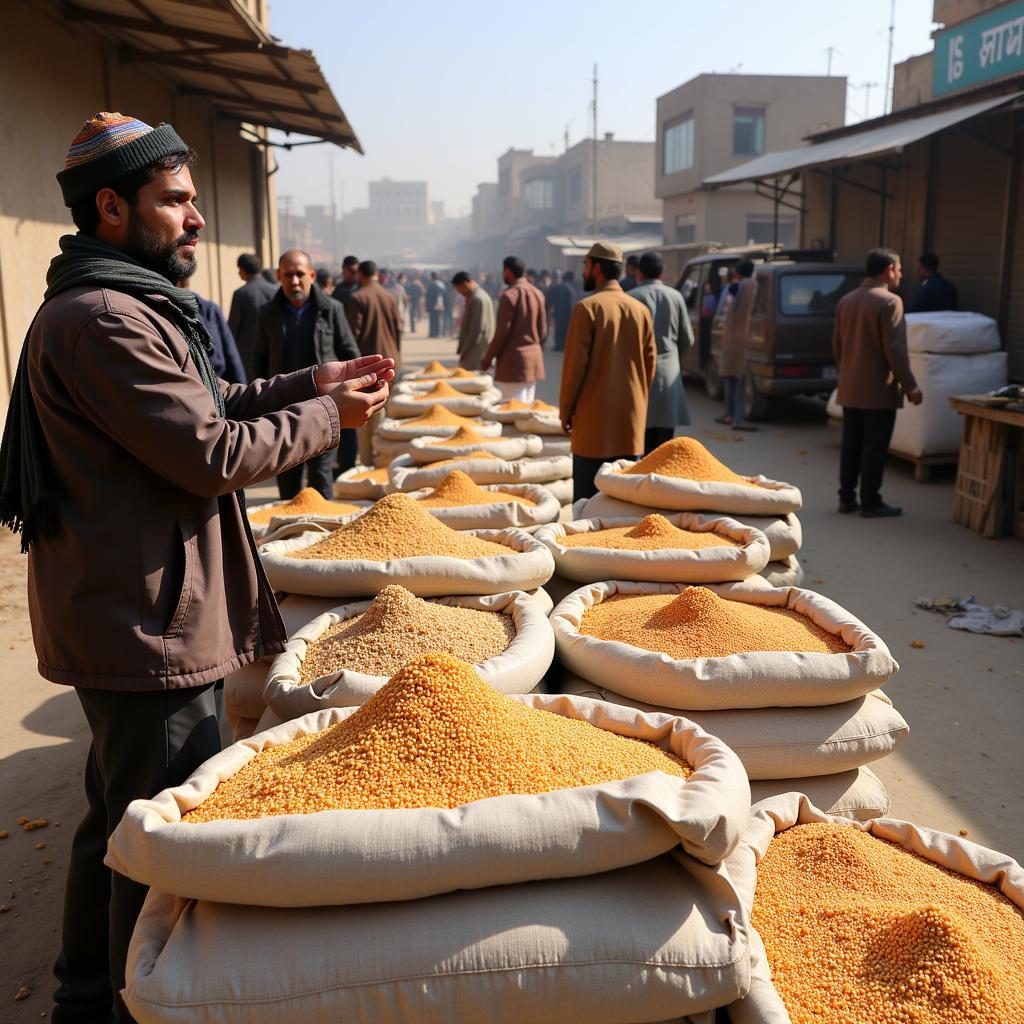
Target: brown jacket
x=152, y=580
x=609, y=366
x=870, y=345
x=732, y=361
x=373, y=316
x=521, y=327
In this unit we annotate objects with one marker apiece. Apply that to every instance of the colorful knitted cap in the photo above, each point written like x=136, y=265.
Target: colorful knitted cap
x=110, y=147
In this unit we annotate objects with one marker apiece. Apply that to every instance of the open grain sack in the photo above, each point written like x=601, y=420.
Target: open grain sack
x=363, y=483
x=513, y=409
x=434, y=370
x=876, y=921
x=680, y=549
x=243, y=690
x=779, y=743
x=641, y=943
x=786, y=572
x=407, y=403
x=493, y=789
x=308, y=502
x=469, y=382
x=482, y=467
x=684, y=476
x=551, y=445
x=239, y=727
x=784, y=533
x=466, y=441
x=435, y=422
x=540, y=422
x=460, y=503
x=857, y=794
x=398, y=541
x=343, y=657
x=722, y=646
x=384, y=450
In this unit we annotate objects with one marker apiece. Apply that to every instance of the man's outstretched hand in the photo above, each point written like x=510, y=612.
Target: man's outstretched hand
x=358, y=387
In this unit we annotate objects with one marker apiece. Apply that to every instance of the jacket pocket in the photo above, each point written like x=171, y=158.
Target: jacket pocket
x=186, y=530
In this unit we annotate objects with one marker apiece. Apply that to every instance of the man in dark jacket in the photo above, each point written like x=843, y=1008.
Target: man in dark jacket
x=935, y=293
x=435, y=304
x=246, y=303
x=563, y=297
x=349, y=280
x=122, y=464
x=304, y=327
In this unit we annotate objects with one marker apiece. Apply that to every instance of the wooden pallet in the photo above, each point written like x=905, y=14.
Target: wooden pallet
x=923, y=464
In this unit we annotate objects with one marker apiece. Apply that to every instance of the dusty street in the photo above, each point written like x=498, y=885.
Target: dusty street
x=963, y=695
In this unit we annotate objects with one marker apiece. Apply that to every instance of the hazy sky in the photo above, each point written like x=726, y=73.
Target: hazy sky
x=438, y=91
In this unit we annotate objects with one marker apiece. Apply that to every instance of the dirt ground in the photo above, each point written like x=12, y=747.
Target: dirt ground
x=962, y=694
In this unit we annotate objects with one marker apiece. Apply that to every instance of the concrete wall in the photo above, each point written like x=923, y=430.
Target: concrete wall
x=912, y=81
x=952, y=12
x=61, y=74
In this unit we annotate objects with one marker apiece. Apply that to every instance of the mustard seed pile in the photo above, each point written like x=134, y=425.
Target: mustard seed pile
x=398, y=627
x=439, y=390
x=396, y=527
x=859, y=929
x=436, y=735
x=462, y=436
x=440, y=416
x=699, y=624
x=457, y=489
x=653, y=533
x=435, y=369
x=307, y=502
x=686, y=457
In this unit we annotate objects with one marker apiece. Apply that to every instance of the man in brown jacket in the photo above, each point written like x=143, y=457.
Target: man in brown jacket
x=377, y=324
x=870, y=345
x=122, y=464
x=519, y=334
x=610, y=359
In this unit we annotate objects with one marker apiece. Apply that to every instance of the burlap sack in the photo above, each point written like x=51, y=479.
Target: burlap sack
x=779, y=743
x=475, y=385
x=527, y=565
x=641, y=943
x=356, y=856
x=517, y=669
x=755, y=679
x=503, y=414
x=768, y=497
x=788, y=572
x=347, y=487
x=857, y=794
x=405, y=404
x=784, y=533
x=763, y=1005
x=423, y=451
x=543, y=423
x=560, y=490
x=393, y=430
x=243, y=690
x=408, y=475
x=663, y=565
x=502, y=513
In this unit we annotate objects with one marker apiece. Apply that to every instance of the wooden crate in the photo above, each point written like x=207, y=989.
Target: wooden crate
x=982, y=498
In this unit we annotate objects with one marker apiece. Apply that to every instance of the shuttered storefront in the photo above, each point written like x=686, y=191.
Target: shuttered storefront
x=1015, y=306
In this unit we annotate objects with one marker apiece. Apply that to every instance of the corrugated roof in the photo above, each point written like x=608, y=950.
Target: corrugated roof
x=215, y=50
x=872, y=142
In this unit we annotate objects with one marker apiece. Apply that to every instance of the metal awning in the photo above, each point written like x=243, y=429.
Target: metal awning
x=216, y=51
x=579, y=245
x=855, y=145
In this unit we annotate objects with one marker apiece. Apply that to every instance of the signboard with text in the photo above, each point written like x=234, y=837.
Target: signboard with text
x=981, y=50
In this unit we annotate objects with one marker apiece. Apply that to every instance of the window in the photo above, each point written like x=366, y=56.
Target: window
x=504, y=181
x=539, y=194
x=686, y=227
x=748, y=131
x=688, y=286
x=576, y=185
x=814, y=294
x=761, y=229
x=678, y=145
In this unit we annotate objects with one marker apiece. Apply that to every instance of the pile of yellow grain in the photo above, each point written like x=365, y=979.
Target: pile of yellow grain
x=652, y=533
x=860, y=930
x=435, y=369
x=513, y=405
x=457, y=489
x=440, y=416
x=539, y=406
x=463, y=374
x=398, y=627
x=308, y=502
x=687, y=458
x=436, y=735
x=440, y=390
x=699, y=624
x=462, y=436
x=459, y=459
x=397, y=527
x=376, y=476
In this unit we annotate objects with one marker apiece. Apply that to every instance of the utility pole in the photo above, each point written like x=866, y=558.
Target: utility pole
x=887, y=105
x=593, y=170
x=830, y=50
x=867, y=87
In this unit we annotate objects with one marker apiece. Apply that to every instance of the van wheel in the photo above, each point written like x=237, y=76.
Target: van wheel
x=756, y=403
x=712, y=380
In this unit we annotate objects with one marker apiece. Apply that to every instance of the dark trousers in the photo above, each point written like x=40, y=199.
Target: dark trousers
x=866, y=437
x=412, y=317
x=655, y=436
x=561, y=333
x=347, y=451
x=584, y=470
x=735, y=389
x=141, y=743
x=436, y=316
x=318, y=471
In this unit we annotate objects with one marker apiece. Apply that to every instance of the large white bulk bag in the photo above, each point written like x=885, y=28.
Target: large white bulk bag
x=426, y=450
x=475, y=384
x=500, y=514
x=952, y=332
x=409, y=475
x=405, y=404
x=857, y=794
x=543, y=423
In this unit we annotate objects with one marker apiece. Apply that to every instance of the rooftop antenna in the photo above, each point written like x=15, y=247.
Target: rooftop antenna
x=593, y=170
x=887, y=105
x=831, y=50
x=867, y=87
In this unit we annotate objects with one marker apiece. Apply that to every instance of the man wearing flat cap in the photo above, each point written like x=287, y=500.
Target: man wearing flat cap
x=607, y=373
x=122, y=466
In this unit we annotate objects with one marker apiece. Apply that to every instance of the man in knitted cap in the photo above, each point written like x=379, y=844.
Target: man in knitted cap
x=123, y=463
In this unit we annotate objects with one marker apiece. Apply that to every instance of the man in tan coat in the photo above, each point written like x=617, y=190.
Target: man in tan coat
x=609, y=366
x=522, y=325
x=870, y=345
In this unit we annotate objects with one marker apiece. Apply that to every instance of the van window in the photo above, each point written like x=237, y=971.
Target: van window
x=814, y=294
x=688, y=286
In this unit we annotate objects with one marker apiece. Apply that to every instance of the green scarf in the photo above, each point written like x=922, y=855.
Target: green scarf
x=26, y=475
